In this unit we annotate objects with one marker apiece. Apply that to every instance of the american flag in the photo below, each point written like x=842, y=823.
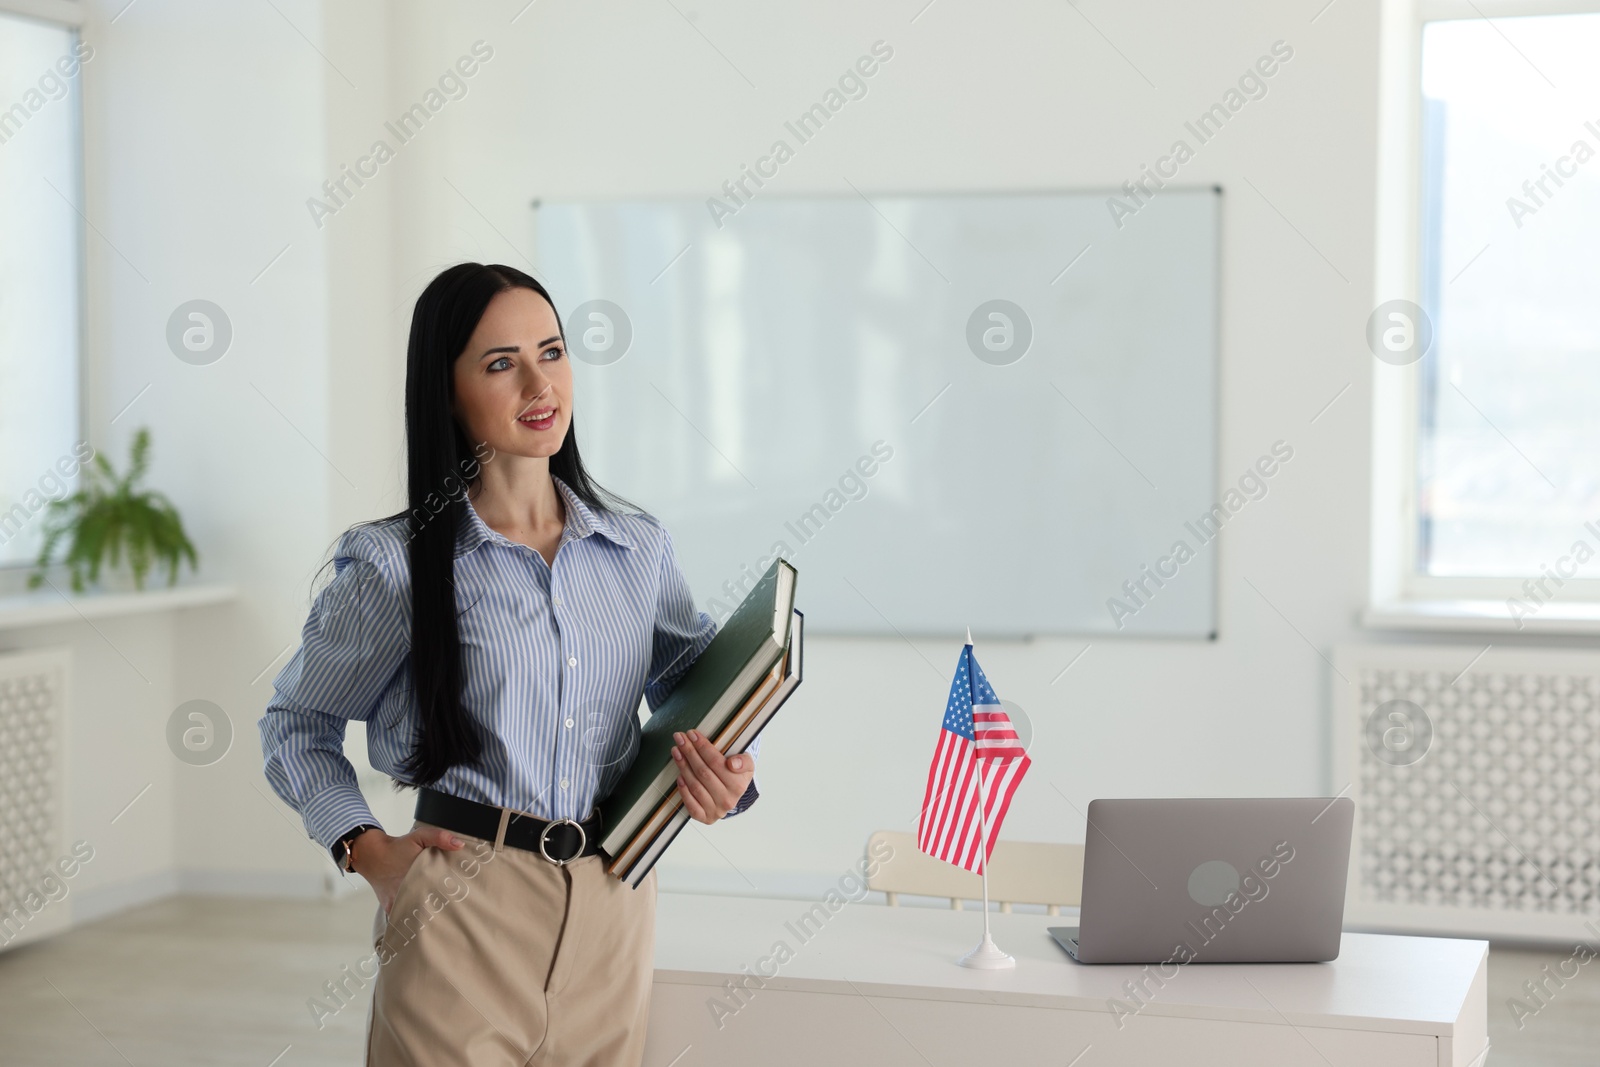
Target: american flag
x=976, y=731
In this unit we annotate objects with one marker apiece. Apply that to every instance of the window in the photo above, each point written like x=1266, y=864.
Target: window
x=1507, y=399
x=40, y=275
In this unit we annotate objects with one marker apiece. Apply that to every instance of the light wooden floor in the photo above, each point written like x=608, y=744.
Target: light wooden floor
x=189, y=980
x=222, y=982
x=1566, y=1029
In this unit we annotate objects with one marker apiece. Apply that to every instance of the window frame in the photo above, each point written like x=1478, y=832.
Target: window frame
x=69, y=15
x=1396, y=581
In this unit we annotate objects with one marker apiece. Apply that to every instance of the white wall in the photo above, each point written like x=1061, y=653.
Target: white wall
x=217, y=121
x=121, y=778
x=629, y=100
x=204, y=125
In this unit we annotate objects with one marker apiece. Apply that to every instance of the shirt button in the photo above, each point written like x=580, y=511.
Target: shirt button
x=572, y=661
x=564, y=783
x=569, y=724
x=556, y=601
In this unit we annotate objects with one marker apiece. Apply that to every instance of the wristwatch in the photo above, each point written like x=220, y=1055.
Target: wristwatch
x=341, y=847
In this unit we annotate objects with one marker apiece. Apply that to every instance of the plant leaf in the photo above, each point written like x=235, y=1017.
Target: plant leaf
x=139, y=459
x=108, y=517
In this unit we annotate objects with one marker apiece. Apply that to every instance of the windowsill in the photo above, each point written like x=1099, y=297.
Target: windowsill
x=1484, y=616
x=49, y=608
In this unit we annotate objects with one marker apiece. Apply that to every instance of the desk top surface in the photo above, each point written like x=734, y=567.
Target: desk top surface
x=1407, y=984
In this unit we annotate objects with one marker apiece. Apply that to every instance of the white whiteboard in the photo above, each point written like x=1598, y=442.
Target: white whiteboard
x=767, y=357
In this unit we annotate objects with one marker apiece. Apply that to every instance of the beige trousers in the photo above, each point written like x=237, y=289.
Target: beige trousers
x=502, y=959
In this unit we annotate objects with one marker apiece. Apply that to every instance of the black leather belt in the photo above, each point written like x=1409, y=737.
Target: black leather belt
x=560, y=840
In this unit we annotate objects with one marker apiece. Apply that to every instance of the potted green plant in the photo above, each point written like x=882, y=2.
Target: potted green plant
x=111, y=518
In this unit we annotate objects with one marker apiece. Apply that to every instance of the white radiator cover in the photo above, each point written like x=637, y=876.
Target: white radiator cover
x=1491, y=825
x=33, y=795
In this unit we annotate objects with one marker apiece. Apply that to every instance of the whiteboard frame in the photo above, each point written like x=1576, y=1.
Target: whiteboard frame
x=906, y=633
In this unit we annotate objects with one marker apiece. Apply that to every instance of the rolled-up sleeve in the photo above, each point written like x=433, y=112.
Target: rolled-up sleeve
x=354, y=644
x=682, y=632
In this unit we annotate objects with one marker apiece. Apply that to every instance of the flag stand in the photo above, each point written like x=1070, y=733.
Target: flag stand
x=988, y=955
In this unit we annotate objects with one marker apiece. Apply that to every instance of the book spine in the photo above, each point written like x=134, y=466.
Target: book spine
x=647, y=861
x=625, y=825
x=631, y=866
x=753, y=729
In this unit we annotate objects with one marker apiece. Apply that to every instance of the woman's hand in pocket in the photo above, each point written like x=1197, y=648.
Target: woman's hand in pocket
x=383, y=860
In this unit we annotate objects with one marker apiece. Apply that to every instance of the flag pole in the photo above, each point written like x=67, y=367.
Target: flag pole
x=987, y=956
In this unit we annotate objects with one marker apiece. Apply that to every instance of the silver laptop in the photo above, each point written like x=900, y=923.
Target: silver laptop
x=1212, y=881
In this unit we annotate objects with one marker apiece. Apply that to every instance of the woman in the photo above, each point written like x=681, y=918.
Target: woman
x=496, y=637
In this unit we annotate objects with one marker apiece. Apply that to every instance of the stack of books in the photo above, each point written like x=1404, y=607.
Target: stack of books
x=734, y=688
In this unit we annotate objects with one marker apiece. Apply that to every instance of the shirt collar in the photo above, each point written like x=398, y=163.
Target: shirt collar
x=582, y=521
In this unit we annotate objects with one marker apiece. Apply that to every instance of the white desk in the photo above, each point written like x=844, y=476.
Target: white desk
x=880, y=986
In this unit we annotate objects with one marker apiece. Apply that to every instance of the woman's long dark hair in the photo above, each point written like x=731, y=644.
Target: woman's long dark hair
x=442, y=467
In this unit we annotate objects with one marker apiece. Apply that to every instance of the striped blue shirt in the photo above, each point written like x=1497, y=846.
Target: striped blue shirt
x=554, y=661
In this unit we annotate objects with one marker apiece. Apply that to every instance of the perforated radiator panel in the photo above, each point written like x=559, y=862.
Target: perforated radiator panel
x=1476, y=776
x=33, y=818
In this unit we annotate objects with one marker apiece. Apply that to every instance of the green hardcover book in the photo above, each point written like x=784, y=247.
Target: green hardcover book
x=633, y=872
x=710, y=692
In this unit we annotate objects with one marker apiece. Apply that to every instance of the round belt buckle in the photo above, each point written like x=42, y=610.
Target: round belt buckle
x=544, y=837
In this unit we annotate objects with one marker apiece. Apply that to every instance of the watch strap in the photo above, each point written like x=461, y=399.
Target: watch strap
x=341, y=847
